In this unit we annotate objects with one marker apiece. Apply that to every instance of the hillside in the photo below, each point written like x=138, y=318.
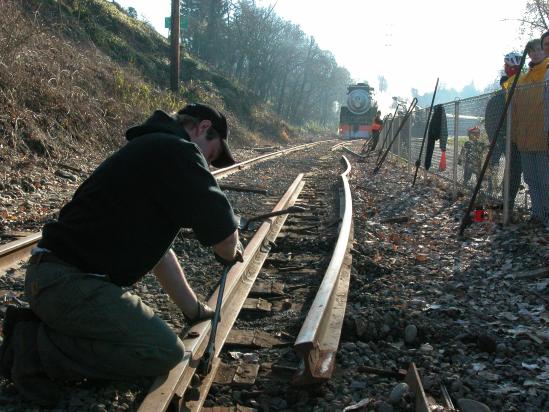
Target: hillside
x=76, y=74
x=73, y=76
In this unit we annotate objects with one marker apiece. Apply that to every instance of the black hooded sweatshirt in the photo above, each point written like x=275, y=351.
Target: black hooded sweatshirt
x=125, y=216
x=438, y=130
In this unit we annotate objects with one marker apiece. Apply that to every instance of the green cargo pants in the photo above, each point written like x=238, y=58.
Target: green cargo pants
x=91, y=328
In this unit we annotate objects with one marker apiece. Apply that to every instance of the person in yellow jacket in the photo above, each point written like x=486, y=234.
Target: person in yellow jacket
x=527, y=131
x=511, y=66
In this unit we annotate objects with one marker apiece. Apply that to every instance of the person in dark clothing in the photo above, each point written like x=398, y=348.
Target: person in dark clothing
x=492, y=115
x=120, y=225
x=377, y=126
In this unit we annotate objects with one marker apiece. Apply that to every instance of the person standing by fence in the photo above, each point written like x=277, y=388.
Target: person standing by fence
x=492, y=115
x=377, y=126
x=527, y=131
x=472, y=154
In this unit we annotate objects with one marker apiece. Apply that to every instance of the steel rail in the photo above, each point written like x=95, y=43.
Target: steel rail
x=354, y=153
x=318, y=338
x=338, y=145
x=240, y=280
x=11, y=253
x=220, y=173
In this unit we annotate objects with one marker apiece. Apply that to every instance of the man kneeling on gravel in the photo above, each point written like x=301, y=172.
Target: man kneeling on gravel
x=119, y=225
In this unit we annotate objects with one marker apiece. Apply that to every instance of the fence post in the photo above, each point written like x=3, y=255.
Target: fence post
x=409, y=138
x=398, y=137
x=507, y=173
x=456, y=146
x=388, y=134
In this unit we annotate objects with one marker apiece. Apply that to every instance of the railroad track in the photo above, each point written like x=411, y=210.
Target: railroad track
x=18, y=250
x=295, y=269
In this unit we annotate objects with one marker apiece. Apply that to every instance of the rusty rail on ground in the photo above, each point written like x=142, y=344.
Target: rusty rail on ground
x=318, y=338
x=170, y=389
x=12, y=252
x=354, y=153
x=19, y=250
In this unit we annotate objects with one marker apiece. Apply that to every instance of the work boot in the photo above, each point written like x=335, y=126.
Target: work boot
x=27, y=373
x=12, y=317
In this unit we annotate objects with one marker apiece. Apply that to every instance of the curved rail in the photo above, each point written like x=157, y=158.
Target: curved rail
x=240, y=280
x=354, y=153
x=11, y=253
x=338, y=145
x=318, y=338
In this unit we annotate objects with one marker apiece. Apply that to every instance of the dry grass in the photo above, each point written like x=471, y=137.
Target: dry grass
x=56, y=96
x=60, y=96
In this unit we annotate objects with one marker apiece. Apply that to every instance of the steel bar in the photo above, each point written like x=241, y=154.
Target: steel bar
x=318, y=338
x=456, y=147
x=239, y=282
x=418, y=161
x=414, y=382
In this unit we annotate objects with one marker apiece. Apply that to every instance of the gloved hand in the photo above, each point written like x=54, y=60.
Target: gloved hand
x=238, y=257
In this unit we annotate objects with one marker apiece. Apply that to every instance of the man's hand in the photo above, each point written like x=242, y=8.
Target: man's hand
x=238, y=256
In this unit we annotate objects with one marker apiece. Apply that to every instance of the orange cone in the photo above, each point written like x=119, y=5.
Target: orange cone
x=442, y=163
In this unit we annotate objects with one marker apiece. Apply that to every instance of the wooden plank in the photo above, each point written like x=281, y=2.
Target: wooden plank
x=225, y=374
x=268, y=288
x=239, y=337
x=253, y=339
x=246, y=374
x=257, y=305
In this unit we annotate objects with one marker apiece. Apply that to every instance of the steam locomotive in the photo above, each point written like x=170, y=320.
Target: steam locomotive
x=355, y=119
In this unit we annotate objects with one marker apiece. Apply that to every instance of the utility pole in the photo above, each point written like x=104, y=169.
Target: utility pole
x=175, y=61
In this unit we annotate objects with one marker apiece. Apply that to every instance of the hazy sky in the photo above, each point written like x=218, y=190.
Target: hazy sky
x=410, y=43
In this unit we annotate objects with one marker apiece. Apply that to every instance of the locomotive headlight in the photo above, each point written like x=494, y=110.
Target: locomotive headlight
x=358, y=101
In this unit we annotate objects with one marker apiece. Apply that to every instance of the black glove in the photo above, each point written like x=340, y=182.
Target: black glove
x=238, y=257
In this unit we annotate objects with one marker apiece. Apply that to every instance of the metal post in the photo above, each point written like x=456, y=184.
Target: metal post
x=175, y=60
x=507, y=174
x=389, y=133
x=456, y=146
x=409, y=137
x=398, y=137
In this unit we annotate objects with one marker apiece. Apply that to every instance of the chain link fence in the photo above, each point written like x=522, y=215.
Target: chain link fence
x=456, y=145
